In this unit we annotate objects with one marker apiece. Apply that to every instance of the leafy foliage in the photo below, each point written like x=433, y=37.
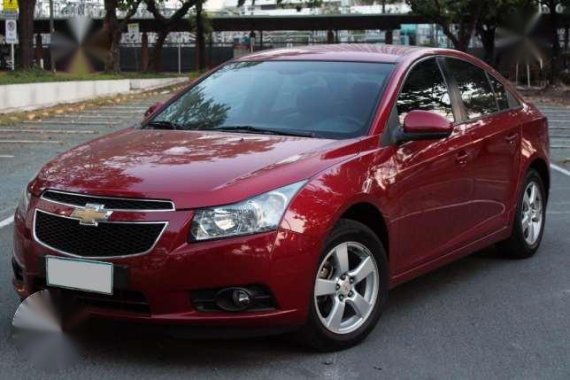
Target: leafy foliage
x=463, y=14
x=461, y=19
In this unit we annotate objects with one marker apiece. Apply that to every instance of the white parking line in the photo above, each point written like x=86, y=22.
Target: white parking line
x=37, y=130
x=6, y=222
x=30, y=142
x=6, y=156
x=560, y=170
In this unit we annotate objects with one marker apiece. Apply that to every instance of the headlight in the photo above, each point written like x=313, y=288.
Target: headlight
x=258, y=214
x=24, y=202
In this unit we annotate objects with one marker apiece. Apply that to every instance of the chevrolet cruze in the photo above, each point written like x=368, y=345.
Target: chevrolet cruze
x=290, y=189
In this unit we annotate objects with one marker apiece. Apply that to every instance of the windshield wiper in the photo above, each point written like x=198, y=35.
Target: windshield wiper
x=162, y=125
x=252, y=129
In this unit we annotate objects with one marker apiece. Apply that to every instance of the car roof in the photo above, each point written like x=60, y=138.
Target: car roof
x=343, y=52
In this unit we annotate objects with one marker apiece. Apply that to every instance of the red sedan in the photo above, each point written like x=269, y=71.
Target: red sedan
x=290, y=189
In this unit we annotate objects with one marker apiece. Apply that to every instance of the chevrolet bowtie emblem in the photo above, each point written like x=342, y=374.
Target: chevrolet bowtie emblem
x=91, y=215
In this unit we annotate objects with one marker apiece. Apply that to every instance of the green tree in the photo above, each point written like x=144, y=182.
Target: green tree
x=457, y=18
x=166, y=25
x=113, y=29
x=501, y=13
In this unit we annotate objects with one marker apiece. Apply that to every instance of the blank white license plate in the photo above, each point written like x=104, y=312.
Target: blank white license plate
x=78, y=274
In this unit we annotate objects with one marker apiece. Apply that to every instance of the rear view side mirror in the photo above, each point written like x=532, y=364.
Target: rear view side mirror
x=424, y=125
x=152, y=109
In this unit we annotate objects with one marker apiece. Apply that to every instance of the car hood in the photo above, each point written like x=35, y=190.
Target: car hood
x=191, y=168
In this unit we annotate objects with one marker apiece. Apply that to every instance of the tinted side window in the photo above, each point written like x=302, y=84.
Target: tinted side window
x=476, y=92
x=500, y=93
x=425, y=90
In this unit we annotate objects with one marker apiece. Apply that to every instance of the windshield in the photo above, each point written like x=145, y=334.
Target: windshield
x=305, y=98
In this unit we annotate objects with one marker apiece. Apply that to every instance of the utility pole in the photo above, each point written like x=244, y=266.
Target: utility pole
x=51, y=32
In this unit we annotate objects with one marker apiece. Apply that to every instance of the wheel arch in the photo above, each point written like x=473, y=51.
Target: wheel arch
x=369, y=215
x=541, y=167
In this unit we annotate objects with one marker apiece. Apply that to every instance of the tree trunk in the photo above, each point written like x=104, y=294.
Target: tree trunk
x=200, y=43
x=566, y=40
x=144, y=51
x=26, y=33
x=113, y=62
x=488, y=40
x=113, y=35
x=166, y=25
x=39, y=53
x=113, y=30
x=554, y=63
x=458, y=43
x=155, y=63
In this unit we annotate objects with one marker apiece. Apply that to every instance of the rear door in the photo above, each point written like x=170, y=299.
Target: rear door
x=433, y=185
x=493, y=125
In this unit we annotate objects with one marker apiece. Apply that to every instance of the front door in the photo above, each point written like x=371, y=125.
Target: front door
x=434, y=186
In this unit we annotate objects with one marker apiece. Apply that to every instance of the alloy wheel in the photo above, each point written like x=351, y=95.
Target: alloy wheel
x=346, y=287
x=532, y=213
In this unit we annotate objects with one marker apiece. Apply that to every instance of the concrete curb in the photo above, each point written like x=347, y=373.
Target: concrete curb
x=31, y=96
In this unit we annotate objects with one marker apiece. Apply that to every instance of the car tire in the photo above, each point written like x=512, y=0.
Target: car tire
x=365, y=253
x=529, y=220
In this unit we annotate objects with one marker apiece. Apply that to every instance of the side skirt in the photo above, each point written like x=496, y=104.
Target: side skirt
x=454, y=255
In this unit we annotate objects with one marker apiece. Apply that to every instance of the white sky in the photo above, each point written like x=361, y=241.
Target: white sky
x=214, y=4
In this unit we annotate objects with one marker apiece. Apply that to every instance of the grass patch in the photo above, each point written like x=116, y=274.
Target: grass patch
x=36, y=76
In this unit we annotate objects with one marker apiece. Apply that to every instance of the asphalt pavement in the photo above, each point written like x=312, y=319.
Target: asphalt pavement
x=481, y=317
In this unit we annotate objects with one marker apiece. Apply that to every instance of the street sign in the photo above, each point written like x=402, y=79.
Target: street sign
x=9, y=15
x=133, y=31
x=10, y=6
x=11, y=32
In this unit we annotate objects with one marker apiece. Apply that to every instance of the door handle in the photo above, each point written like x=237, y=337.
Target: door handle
x=462, y=157
x=511, y=138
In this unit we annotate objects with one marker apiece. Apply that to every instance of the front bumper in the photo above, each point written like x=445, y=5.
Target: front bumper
x=158, y=286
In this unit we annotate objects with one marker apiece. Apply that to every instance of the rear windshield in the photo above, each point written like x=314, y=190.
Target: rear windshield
x=322, y=99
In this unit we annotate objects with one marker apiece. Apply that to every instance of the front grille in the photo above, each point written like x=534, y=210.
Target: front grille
x=106, y=240
x=110, y=203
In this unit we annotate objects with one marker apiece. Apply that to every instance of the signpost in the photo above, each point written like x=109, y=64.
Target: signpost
x=10, y=13
x=10, y=6
x=133, y=32
x=11, y=38
x=133, y=37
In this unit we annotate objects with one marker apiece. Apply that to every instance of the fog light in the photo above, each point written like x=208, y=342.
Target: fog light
x=234, y=299
x=241, y=298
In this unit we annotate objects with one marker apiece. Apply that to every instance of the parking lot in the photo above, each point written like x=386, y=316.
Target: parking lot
x=482, y=317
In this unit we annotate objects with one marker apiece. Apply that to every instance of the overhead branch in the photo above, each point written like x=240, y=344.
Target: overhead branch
x=131, y=11
x=152, y=7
